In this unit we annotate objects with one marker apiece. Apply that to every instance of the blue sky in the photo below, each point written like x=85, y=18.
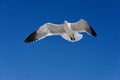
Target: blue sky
x=53, y=58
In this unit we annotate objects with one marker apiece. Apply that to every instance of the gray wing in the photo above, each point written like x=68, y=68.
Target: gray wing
x=83, y=26
x=43, y=31
x=55, y=29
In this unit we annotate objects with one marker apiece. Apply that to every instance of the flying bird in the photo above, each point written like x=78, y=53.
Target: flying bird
x=68, y=31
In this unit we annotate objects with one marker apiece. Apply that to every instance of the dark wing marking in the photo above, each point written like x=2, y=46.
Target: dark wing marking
x=83, y=26
x=37, y=35
x=44, y=31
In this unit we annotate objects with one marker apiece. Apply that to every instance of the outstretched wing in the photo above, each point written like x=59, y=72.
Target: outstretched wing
x=43, y=31
x=55, y=29
x=83, y=26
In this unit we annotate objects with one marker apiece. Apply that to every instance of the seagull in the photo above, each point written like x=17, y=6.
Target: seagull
x=68, y=31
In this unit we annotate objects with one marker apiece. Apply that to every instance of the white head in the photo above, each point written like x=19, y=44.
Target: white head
x=65, y=21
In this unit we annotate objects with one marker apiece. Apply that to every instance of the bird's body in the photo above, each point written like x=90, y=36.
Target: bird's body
x=69, y=31
x=70, y=34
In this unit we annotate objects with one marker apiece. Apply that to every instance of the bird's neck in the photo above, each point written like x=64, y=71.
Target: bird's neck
x=67, y=25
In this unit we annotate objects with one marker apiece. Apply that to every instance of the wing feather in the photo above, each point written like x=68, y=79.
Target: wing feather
x=43, y=31
x=83, y=26
x=55, y=29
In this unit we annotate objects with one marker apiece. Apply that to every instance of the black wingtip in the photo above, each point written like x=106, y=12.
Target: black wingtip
x=93, y=32
x=31, y=38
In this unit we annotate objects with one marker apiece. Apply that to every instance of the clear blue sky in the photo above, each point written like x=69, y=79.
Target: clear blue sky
x=54, y=58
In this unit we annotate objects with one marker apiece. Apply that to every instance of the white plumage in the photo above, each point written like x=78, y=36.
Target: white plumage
x=68, y=31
